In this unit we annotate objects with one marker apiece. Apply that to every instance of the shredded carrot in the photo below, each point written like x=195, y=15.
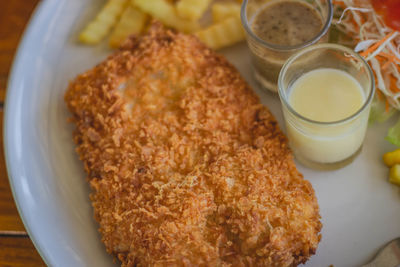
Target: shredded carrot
x=386, y=65
x=339, y=3
x=380, y=95
x=376, y=45
x=392, y=58
x=385, y=60
x=381, y=58
x=393, y=87
x=387, y=106
x=356, y=26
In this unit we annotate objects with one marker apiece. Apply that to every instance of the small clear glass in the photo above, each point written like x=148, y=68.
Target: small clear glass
x=268, y=58
x=326, y=145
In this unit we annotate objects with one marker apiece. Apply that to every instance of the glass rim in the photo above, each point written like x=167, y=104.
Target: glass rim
x=315, y=39
x=337, y=47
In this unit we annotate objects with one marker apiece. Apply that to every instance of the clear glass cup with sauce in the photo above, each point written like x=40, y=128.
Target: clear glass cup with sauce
x=326, y=92
x=275, y=29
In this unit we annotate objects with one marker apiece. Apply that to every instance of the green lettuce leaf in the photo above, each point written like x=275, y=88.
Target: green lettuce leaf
x=378, y=111
x=394, y=134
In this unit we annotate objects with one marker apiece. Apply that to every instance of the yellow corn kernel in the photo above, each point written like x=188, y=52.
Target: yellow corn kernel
x=394, y=174
x=392, y=158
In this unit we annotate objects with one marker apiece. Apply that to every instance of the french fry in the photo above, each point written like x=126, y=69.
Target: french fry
x=221, y=11
x=98, y=28
x=192, y=9
x=132, y=21
x=166, y=13
x=223, y=33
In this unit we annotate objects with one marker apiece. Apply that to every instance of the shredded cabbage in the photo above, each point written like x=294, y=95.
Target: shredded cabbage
x=380, y=47
x=359, y=21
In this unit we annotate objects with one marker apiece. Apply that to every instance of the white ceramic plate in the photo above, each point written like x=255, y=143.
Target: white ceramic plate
x=360, y=209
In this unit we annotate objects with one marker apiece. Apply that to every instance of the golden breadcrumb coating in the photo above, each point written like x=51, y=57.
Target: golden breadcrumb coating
x=186, y=166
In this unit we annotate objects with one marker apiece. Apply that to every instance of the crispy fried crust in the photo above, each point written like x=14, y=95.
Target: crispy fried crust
x=186, y=166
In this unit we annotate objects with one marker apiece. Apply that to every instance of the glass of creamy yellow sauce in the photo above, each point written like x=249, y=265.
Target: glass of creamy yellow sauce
x=326, y=92
x=275, y=29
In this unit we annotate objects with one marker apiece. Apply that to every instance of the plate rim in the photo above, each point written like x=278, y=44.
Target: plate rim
x=12, y=82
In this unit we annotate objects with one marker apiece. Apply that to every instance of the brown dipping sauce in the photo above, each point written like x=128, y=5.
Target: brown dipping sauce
x=287, y=22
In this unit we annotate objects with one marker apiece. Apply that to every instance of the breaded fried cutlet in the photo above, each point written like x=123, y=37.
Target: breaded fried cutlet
x=186, y=166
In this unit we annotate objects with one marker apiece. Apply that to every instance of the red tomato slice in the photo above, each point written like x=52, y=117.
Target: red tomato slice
x=390, y=11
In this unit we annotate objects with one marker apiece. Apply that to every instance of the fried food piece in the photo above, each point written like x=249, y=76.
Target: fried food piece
x=185, y=164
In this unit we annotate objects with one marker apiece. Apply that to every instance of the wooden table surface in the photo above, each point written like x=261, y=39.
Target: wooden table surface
x=16, y=249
